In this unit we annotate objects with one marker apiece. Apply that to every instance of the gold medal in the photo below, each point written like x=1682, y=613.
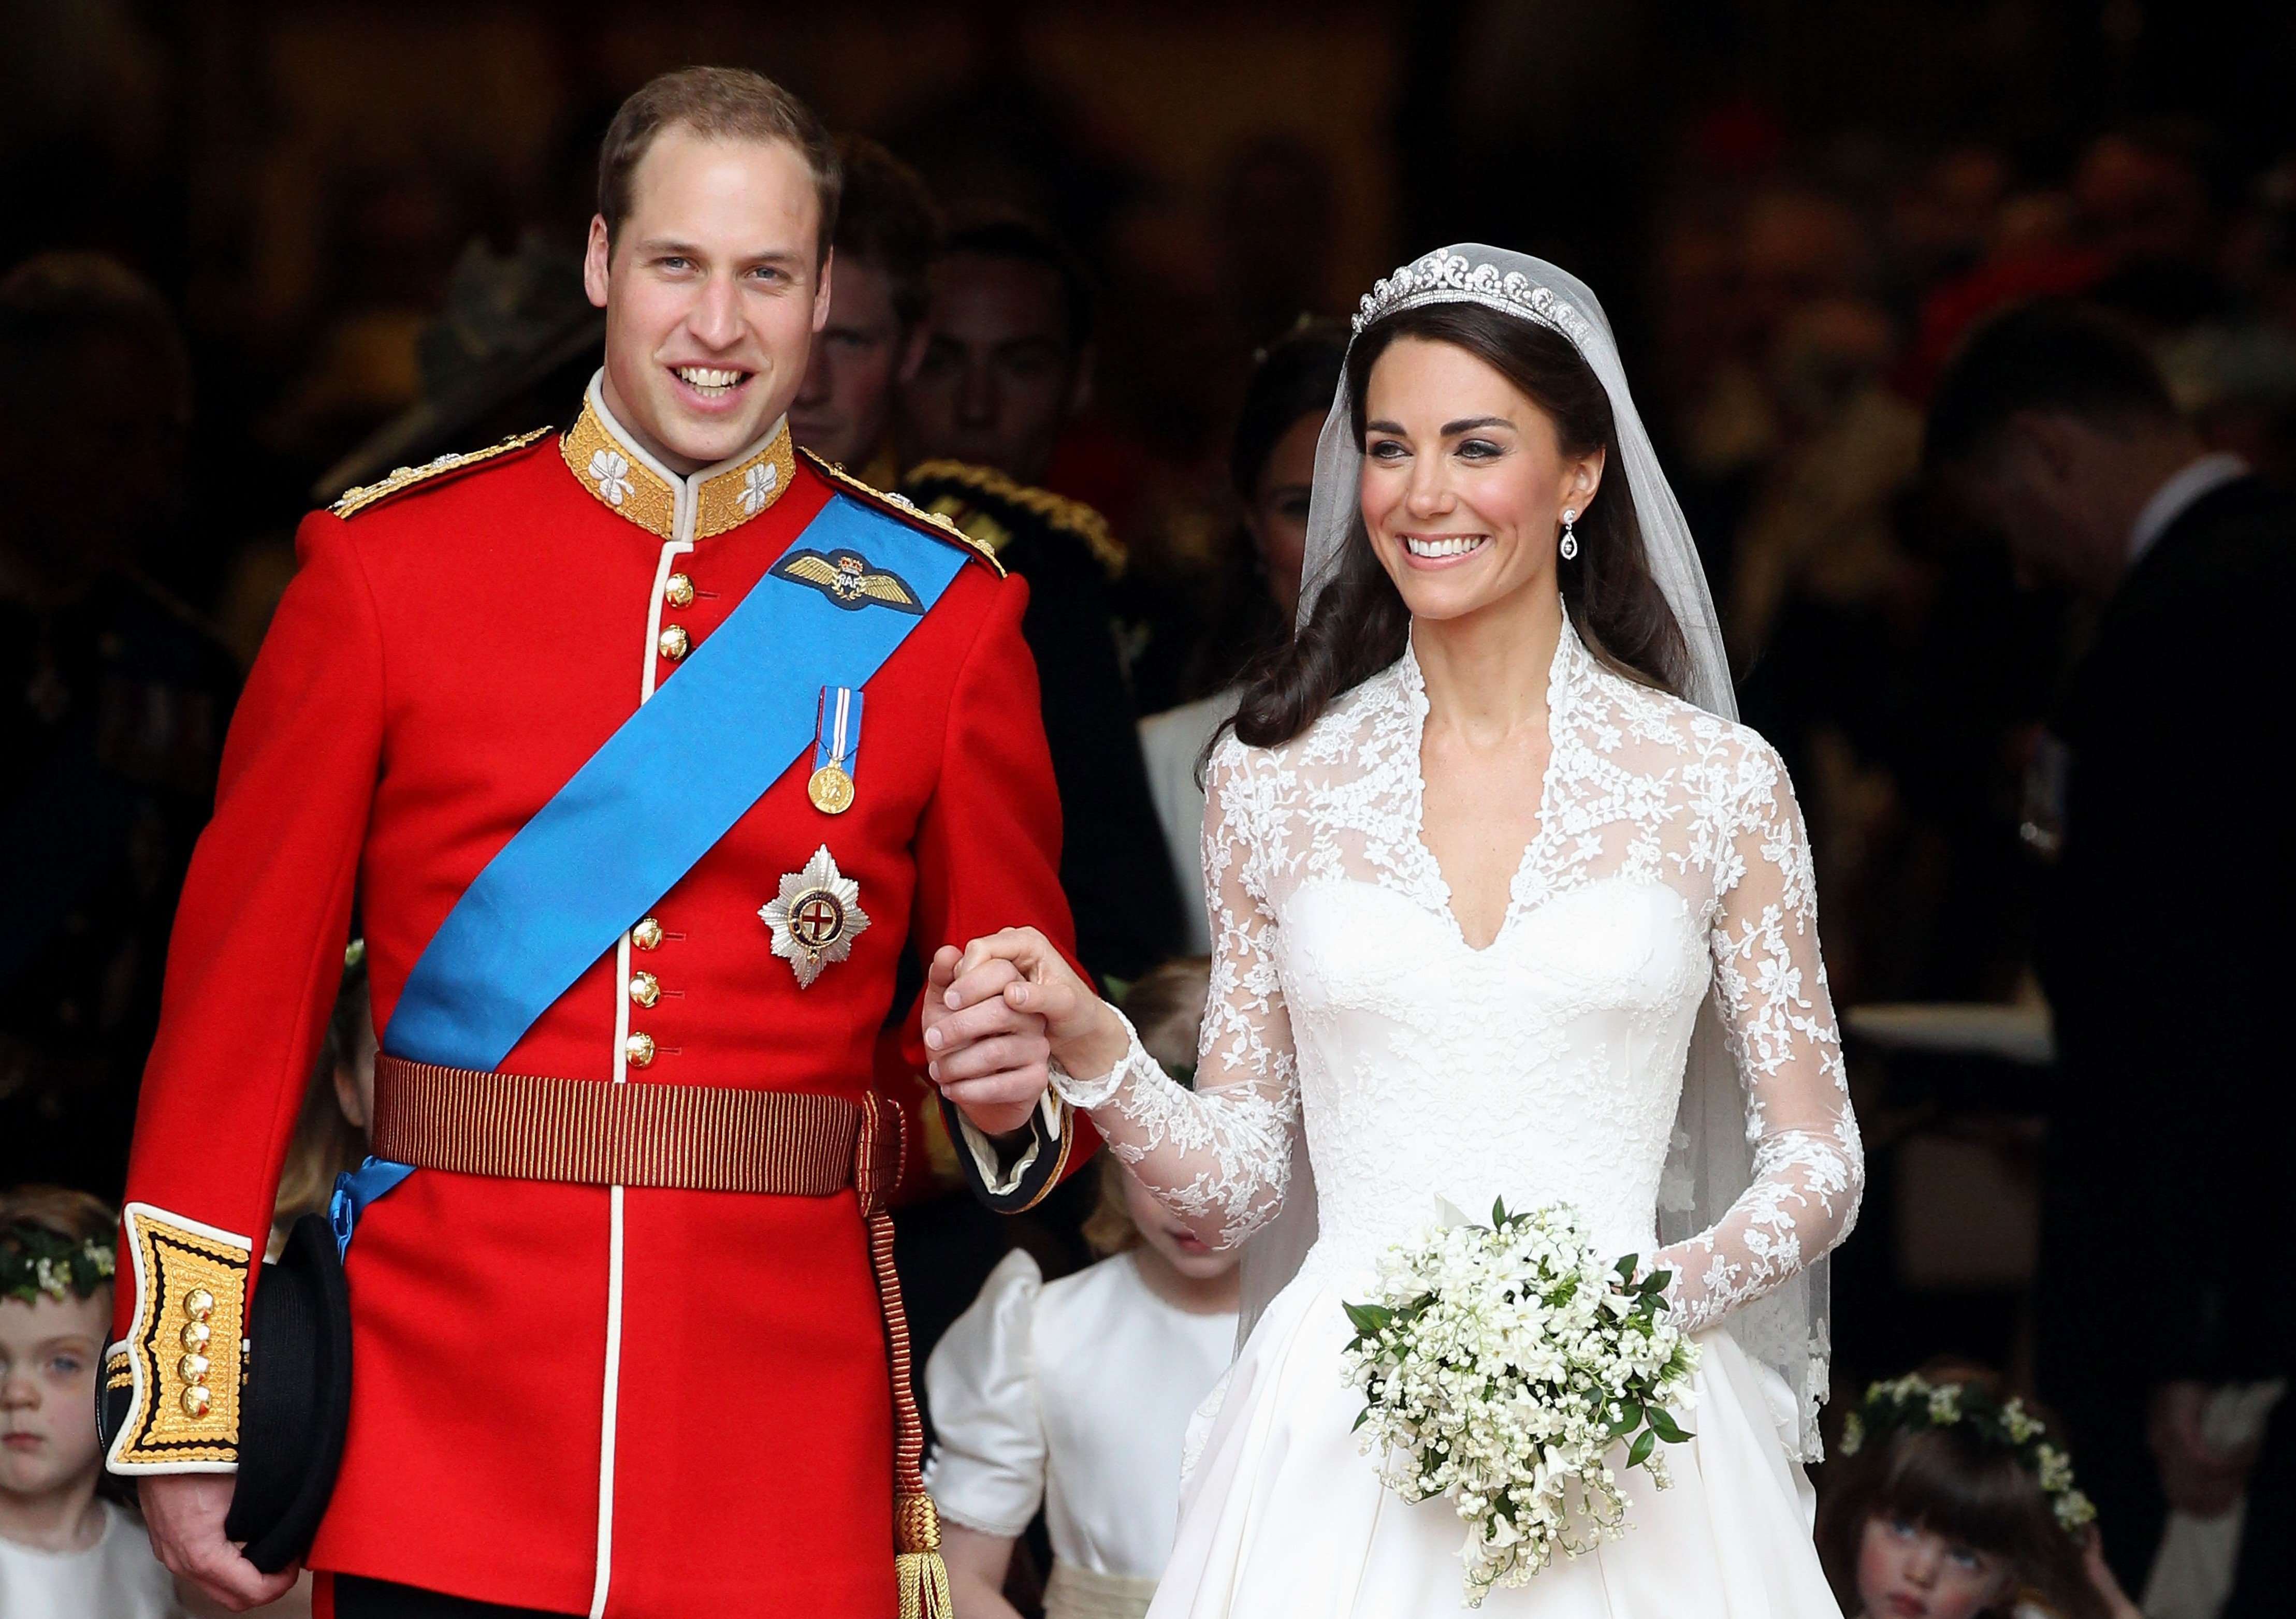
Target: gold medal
x=830, y=791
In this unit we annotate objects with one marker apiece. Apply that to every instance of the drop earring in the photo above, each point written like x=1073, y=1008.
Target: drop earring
x=1570, y=546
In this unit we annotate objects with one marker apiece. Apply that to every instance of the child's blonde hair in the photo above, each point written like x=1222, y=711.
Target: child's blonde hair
x=1166, y=1006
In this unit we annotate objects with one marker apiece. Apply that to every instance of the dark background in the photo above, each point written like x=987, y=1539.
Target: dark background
x=1789, y=207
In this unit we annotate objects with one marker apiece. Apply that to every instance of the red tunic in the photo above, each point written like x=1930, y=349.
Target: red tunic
x=689, y=1414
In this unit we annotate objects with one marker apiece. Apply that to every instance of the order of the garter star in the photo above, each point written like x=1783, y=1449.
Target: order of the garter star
x=815, y=917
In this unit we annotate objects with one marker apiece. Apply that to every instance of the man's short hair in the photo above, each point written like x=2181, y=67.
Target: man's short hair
x=717, y=104
x=887, y=219
x=999, y=232
x=54, y=303
x=2047, y=355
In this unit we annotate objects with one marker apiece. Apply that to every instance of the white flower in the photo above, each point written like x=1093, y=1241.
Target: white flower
x=757, y=487
x=1496, y=1363
x=2018, y=1420
x=610, y=470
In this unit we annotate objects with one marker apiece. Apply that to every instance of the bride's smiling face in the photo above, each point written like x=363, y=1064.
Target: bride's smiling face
x=1464, y=481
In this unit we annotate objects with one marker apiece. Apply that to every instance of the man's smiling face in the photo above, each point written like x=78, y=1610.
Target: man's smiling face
x=713, y=289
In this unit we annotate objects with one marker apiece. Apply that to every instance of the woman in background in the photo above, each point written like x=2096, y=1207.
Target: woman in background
x=1272, y=462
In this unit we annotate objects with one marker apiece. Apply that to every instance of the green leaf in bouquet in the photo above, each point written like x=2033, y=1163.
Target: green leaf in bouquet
x=1368, y=1319
x=1655, y=1282
x=1626, y=1266
x=1362, y=1416
x=1630, y=1417
x=1498, y=1214
x=1663, y=1425
x=1639, y=1453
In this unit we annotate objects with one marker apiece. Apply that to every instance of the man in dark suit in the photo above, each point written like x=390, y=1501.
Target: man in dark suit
x=1008, y=365
x=2166, y=942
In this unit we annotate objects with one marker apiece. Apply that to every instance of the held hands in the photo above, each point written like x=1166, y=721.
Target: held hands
x=995, y=1012
x=184, y=1512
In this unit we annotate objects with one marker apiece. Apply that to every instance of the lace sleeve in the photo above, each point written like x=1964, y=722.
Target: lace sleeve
x=1769, y=982
x=1218, y=1155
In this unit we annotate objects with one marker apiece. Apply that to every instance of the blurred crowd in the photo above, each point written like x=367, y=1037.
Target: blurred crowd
x=1122, y=396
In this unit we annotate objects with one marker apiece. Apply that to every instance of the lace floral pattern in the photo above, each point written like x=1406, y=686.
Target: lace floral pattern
x=1546, y=1066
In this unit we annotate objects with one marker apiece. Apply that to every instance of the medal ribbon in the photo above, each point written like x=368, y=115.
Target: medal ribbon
x=837, y=728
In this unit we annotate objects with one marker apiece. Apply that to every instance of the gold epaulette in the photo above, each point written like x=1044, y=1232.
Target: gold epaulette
x=403, y=479
x=1070, y=516
x=902, y=507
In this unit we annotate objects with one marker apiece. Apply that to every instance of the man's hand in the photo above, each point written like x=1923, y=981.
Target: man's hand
x=2195, y=1477
x=184, y=1512
x=988, y=1056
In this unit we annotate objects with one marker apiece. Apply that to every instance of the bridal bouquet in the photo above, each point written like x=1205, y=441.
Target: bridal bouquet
x=1501, y=1364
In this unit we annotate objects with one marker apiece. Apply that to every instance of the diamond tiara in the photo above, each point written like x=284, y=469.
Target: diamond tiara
x=1445, y=277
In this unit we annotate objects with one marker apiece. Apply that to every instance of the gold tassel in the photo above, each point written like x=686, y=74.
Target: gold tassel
x=917, y=1565
x=924, y=1585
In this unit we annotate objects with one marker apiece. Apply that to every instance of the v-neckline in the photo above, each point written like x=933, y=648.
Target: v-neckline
x=1415, y=680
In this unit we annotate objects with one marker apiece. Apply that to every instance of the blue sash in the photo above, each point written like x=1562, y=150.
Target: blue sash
x=654, y=799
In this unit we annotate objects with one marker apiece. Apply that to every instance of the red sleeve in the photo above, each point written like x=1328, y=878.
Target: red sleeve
x=988, y=847
x=257, y=955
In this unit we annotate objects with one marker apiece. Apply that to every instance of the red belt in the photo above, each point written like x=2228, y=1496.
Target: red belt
x=697, y=1138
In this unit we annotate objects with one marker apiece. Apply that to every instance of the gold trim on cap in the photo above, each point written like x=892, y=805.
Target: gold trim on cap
x=1070, y=516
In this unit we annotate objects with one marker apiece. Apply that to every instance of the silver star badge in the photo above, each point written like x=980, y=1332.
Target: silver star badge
x=816, y=918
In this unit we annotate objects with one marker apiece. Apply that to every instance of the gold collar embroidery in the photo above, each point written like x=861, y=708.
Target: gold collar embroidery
x=623, y=477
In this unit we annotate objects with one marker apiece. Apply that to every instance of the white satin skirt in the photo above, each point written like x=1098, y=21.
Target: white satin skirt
x=1282, y=1518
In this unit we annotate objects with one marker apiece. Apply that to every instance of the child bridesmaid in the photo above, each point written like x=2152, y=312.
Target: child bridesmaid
x=1077, y=1394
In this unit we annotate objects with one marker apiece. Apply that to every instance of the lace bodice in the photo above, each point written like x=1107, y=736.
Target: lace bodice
x=1670, y=857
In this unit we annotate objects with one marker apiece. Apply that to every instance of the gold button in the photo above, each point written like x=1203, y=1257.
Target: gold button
x=678, y=592
x=639, y=1050
x=193, y=1369
x=199, y=1304
x=194, y=1335
x=645, y=989
x=647, y=935
x=196, y=1401
x=674, y=642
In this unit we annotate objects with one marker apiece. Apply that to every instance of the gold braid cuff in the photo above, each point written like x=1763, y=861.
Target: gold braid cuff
x=185, y=1347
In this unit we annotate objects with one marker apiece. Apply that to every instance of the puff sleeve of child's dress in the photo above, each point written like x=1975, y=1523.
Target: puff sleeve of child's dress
x=988, y=1470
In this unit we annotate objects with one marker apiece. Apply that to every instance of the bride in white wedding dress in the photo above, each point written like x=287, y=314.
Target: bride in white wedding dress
x=1504, y=905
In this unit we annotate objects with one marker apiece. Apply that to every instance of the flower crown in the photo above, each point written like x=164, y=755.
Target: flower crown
x=1445, y=277
x=35, y=1260
x=1912, y=1404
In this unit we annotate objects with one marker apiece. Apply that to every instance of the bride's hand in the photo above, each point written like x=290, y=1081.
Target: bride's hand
x=1018, y=971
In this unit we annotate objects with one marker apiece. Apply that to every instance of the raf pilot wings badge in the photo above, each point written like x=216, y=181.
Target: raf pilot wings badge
x=847, y=578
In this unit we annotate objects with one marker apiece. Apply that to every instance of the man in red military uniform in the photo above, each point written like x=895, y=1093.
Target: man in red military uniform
x=617, y=1337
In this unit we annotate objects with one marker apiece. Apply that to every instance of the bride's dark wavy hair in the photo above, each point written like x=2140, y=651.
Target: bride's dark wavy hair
x=1360, y=625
